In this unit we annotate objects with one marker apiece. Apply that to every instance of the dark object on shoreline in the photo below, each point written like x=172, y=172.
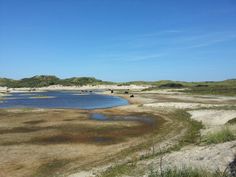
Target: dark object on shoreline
x=232, y=168
x=90, y=91
x=31, y=90
x=112, y=91
x=126, y=92
x=131, y=96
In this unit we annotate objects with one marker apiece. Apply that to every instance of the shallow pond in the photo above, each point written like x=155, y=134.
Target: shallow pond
x=102, y=117
x=61, y=99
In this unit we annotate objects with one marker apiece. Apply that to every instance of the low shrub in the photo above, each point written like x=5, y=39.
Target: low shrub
x=221, y=136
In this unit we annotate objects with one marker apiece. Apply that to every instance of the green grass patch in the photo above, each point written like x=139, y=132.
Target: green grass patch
x=222, y=136
x=185, y=172
x=118, y=170
x=226, y=90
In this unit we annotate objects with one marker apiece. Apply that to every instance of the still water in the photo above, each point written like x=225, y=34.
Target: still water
x=61, y=99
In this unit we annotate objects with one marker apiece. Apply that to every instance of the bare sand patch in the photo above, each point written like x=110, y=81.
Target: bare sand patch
x=180, y=105
x=210, y=158
x=213, y=117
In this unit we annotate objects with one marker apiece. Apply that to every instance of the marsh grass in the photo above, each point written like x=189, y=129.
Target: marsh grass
x=224, y=135
x=192, y=136
x=51, y=169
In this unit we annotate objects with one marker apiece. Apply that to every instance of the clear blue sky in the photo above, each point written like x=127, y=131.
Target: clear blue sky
x=119, y=40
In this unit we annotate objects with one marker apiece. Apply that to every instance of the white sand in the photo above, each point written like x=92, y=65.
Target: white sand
x=82, y=174
x=213, y=117
x=204, y=157
x=180, y=105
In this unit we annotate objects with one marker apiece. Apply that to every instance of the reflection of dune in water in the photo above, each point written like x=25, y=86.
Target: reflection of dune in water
x=81, y=94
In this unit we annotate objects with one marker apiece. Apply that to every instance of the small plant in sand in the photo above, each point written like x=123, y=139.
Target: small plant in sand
x=224, y=135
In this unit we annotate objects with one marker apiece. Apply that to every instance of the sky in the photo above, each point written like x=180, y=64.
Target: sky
x=119, y=40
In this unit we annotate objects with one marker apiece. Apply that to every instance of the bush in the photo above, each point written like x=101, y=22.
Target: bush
x=232, y=121
x=171, y=85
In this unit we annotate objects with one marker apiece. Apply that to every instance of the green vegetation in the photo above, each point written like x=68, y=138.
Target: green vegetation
x=171, y=85
x=221, y=136
x=36, y=81
x=185, y=172
x=7, y=82
x=192, y=136
x=44, y=80
x=51, y=169
x=118, y=170
x=213, y=90
x=82, y=81
x=227, y=87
